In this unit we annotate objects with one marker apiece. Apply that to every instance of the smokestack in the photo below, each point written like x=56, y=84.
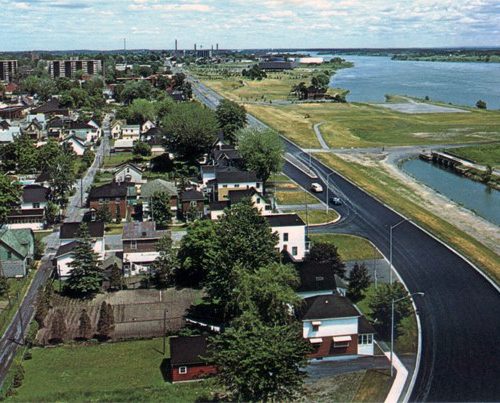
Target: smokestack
x=217, y=47
x=195, y=47
x=212, y=48
x=176, y=46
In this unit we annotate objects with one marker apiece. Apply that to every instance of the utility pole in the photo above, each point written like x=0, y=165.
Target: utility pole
x=164, y=332
x=81, y=192
x=21, y=319
x=390, y=246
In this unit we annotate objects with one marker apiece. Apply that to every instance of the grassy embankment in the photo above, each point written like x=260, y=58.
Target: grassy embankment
x=488, y=154
x=350, y=247
x=363, y=125
x=125, y=371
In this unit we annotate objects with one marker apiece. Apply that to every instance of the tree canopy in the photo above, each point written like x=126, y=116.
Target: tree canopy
x=327, y=253
x=10, y=196
x=231, y=117
x=262, y=151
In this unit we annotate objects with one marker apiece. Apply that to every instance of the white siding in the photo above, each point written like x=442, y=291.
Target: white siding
x=331, y=327
x=135, y=177
x=296, y=239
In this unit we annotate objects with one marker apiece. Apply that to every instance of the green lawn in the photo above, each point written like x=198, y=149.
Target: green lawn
x=17, y=289
x=318, y=216
x=375, y=386
x=116, y=159
x=40, y=235
x=363, y=125
x=487, y=154
x=113, y=229
x=294, y=197
x=125, y=371
x=350, y=247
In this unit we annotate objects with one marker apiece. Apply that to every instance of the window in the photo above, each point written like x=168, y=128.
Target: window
x=315, y=328
x=36, y=205
x=365, y=339
x=340, y=344
x=258, y=185
x=9, y=255
x=224, y=186
x=183, y=370
x=285, y=237
x=193, y=203
x=133, y=245
x=237, y=185
x=258, y=200
x=295, y=251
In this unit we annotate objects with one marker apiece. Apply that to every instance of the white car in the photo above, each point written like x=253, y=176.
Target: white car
x=316, y=187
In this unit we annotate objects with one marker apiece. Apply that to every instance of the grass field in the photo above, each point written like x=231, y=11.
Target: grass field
x=350, y=247
x=116, y=159
x=363, y=125
x=396, y=194
x=318, y=216
x=126, y=371
x=113, y=229
x=294, y=197
x=374, y=387
x=487, y=154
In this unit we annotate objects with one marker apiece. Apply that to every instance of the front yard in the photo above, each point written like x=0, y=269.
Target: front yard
x=350, y=247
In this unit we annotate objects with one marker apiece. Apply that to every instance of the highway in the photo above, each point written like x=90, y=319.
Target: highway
x=460, y=312
x=13, y=336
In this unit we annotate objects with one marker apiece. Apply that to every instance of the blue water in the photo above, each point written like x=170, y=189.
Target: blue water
x=459, y=83
x=472, y=195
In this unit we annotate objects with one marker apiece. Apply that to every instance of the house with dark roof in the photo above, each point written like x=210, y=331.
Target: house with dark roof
x=31, y=212
x=155, y=138
x=186, y=358
x=77, y=145
x=227, y=180
x=316, y=279
x=52, y=108
x=291, y=230
x=191, y=204
x=119, y=197
x=158, y=186
x=83, y=131
x=236, y=196
x=139, y=246
x=334, y=327
x=64, y=256
x=69, y=233
x=17, y=248
x=128, y=172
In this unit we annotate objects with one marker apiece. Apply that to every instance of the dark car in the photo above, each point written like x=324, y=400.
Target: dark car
x=336, y=200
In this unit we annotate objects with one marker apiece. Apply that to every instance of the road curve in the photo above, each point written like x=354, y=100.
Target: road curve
x=460, y=312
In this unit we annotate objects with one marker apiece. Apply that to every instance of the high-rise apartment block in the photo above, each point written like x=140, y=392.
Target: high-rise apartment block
x=8, y=70
x=68, y=68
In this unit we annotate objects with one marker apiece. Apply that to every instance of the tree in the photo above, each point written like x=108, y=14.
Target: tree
x=42, y=307
x=359, y=281
x=481, y=104
x=160, y=208
x=10, y=196
x=196, y=254
x=58, y=327
x=48, y=154
x=115, y=278
x=62, y=177
x=165, y=264
x=86, y=275
x=106, y=322
x=191, y=130
x=88, y=157
x=51, y=212
x=267, y=293
x=135, y=90
x=257, y=362
x=300, y=90
x=327, y=253
x=244, y=241
x=26, y=154
x=141, y=149
x=85, y=328
x=38, y=249
x=320, y=81
x=231, y=118
x=4, y=285
x=262, y=151
x=103, y=213
x=380, y=305
x=141, y=110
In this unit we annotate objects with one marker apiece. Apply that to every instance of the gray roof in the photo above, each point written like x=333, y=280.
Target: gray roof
x=156, y=186
x=327, y=307
x=142, y=230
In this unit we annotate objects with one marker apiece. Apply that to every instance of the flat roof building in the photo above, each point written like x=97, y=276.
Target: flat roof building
x=8, y=70
x=68, y=68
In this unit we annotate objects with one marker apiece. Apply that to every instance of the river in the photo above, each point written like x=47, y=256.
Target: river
x=470, y=194
x=459, y=83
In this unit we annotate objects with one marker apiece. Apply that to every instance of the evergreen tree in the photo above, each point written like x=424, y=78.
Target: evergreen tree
x=231, y=117
x=103, y=213
x=327, y=253
x=4, y=285
x=85, y=328
x=10, y=196
x=115, y=278
x=42, y=308
x=160, y=208
x=359, y=281
x=58, y=327
x=86, y=275
x=106, y=323
x=165, y=264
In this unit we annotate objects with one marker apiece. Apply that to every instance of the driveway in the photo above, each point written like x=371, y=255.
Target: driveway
x=326, y=369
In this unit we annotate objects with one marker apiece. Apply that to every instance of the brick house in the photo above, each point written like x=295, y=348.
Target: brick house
x=116, y=195
x=334, y=327
x=191, y=200
x=186, y=362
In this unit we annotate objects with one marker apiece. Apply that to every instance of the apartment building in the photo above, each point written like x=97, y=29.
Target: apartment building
x=8, y=70
x=67, y=68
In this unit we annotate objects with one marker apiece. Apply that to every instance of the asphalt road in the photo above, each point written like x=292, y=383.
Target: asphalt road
x=14, y=335
x=460, y=312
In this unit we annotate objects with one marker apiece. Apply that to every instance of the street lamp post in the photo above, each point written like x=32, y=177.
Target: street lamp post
x=390, y=246
x=392, y=324
x=328, y=192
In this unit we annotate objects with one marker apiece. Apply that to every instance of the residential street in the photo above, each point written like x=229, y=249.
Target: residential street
x=459, y=313
x=13, y=336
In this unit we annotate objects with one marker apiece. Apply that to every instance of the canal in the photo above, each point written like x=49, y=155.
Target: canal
x=470, y=194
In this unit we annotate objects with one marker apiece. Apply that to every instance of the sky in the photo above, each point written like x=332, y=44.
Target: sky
x=237, y=24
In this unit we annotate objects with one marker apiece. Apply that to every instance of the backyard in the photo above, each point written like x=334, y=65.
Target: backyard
x=350, y=247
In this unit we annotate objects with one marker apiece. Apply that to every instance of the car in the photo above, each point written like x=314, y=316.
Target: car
x=337, y=201
x=316, y=187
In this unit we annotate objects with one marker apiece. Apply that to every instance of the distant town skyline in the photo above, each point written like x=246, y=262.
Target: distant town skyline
x=154, y=24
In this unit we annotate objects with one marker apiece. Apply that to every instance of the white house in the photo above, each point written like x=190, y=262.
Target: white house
x=116, y=128
x=128, y=172
x=334, y=327
x=69, y=241
x=147, y=126
x=77, y=145
x=123, y=145
x=227, y=180
x=131, y=132
x=291, y=230
x=257, y=199
x=30, y=214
